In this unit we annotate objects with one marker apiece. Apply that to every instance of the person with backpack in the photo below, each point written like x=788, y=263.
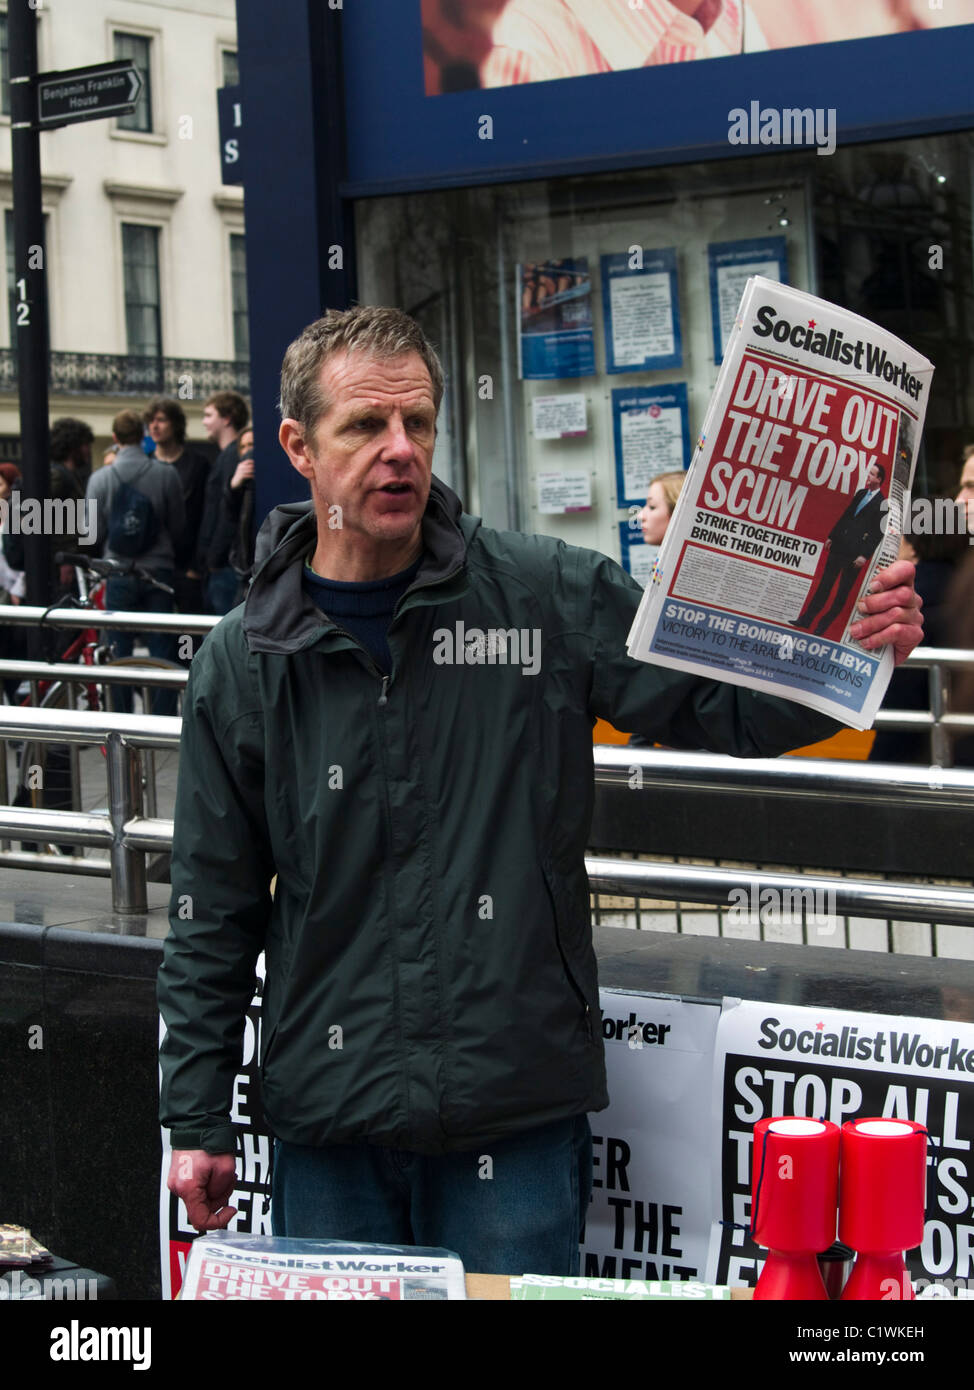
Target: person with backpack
x=140, y=518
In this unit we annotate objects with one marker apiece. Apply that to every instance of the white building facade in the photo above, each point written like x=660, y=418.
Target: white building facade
x=144, y=243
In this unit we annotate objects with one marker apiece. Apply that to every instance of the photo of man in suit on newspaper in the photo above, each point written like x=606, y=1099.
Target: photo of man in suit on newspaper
x=850, y=546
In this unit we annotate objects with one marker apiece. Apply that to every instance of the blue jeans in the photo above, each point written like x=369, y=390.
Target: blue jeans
x=515, y=1206
x=222, y=587
x=127, y=592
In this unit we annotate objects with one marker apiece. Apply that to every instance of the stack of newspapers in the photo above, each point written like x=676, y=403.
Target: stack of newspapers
x=224, y=1266
x=796, y=495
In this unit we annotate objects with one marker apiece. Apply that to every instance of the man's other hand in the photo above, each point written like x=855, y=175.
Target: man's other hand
x=891, y=612
x=204, y=1182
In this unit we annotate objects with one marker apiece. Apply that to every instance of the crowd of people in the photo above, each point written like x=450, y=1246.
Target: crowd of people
x=190, y=519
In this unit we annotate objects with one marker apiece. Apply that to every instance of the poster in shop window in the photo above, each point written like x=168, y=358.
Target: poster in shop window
x=637, y=557
x=556, y=339
x=641, y=309
x=651, y=435
x=732, y=263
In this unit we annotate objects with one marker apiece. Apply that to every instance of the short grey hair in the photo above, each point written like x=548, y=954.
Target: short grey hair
x=380, y=333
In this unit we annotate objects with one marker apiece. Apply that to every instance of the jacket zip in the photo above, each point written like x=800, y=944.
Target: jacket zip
x=385, y=679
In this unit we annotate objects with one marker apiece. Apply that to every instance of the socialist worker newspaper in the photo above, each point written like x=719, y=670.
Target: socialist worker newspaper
x=224, y=1266
x=795, y=497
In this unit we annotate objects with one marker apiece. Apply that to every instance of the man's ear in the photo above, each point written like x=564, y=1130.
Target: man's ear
x=294, y=444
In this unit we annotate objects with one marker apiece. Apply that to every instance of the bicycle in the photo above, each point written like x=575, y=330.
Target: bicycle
x=88, y=649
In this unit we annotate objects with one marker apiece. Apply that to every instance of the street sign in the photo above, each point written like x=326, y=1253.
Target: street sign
x=231, y=134
x=87, y=94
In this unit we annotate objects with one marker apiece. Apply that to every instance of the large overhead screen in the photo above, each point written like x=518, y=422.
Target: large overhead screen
x=462, y=91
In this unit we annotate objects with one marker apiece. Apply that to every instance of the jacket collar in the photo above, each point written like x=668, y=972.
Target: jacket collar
x=280, y=617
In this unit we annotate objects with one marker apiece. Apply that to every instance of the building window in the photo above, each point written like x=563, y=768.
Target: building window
x=4, y=66
x=238, y=286
x=143, y=319
x=137, y=50
x=231, y=68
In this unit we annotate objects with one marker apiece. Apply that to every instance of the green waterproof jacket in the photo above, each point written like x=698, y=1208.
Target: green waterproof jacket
x=431, y=981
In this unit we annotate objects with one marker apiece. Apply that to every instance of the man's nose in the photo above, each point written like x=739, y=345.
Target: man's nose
x=398, y=444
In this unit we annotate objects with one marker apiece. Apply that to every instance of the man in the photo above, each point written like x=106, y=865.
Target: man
x=224, y=416
x=164, y=520
x=398, y=723
x=850, y=546
x=456, y=40
x=69, y=446
x=166, y=423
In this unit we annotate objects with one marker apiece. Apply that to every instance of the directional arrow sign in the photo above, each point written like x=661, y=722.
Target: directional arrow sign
x=87, y=94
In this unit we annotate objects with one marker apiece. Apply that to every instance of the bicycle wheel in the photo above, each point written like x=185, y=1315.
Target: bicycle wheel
x=147, y=757
x=154, y=662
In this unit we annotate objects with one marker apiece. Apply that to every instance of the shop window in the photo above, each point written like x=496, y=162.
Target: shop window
x=616, y=291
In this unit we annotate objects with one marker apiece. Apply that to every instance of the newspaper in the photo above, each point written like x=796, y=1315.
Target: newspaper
x=227, y=1266
x=548, y=1286
x=795, y=497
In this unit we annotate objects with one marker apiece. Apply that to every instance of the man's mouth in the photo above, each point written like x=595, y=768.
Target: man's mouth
x=396, y=488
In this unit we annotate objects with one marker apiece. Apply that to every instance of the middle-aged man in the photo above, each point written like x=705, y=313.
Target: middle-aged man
x=398, y=723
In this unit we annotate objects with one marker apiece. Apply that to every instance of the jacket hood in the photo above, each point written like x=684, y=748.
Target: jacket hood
x=280, y=617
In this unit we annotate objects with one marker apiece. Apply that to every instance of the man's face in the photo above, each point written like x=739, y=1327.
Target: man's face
x=160, y=427
x=213, y=422
x=372, y=451
x=872, y=478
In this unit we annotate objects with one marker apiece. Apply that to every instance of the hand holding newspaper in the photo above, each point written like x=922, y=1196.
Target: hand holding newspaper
x=795, y=498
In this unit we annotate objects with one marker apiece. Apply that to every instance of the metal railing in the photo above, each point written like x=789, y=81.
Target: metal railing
x=129, y=834
x=123, y=829
x=116, y=374
x=823, y=778
x=22, y=615
x=824, y=783
x=79, y=676
x=941, y=723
